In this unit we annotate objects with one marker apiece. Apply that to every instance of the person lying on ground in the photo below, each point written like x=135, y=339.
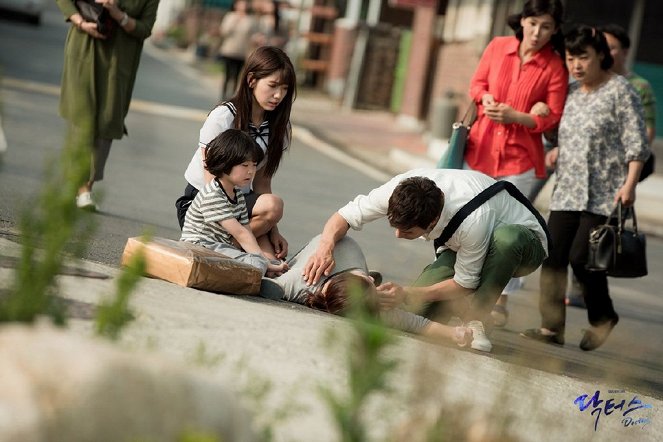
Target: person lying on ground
x=333, y=293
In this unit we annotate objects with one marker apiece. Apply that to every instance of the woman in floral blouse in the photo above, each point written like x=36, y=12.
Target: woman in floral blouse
x=602, y=148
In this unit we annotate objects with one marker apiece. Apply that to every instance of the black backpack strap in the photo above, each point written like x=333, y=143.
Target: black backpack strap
x=465, y=211
x=477, y=201
x=517, y=194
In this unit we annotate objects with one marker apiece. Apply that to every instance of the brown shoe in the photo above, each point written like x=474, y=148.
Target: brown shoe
x=593, y=339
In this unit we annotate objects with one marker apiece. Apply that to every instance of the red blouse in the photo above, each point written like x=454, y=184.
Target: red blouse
x=510, y=149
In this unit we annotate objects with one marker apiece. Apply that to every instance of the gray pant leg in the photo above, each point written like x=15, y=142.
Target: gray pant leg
x=258, y=261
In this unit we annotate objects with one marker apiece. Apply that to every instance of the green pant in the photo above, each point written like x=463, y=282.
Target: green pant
x=514, y=251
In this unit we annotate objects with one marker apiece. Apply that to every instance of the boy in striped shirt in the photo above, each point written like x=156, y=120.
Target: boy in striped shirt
x=218, y=217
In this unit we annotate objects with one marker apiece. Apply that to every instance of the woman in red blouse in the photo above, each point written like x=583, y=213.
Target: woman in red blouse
x=519, y=87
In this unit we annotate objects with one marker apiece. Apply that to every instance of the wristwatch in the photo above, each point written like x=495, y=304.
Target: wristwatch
x=125, y=20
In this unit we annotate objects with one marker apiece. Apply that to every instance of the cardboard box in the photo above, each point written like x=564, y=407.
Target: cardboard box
x=191, y=265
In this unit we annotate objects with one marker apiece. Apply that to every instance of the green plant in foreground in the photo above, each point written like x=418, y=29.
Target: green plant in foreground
x=47, y=228
x=257, y=393
x=368, y=369
x=202, y=357
x=197, y=436
x=53, y=225
x=114, y=314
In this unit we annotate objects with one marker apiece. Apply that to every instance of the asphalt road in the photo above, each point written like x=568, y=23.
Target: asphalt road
x=144, y=177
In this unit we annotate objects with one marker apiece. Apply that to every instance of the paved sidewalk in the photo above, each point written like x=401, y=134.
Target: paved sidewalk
x=249, y=343
x=375, y=137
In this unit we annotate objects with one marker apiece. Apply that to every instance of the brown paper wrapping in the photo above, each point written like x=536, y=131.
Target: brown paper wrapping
x=191, y=265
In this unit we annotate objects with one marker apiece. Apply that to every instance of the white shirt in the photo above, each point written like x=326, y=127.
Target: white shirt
x=472, y=238
x=218, y=121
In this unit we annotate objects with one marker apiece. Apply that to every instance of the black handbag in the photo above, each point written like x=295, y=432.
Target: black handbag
x=617, y=250
x=96, y=13
x=454, y=156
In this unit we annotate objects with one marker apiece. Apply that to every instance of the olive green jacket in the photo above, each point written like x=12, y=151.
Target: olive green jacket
x=99, y=75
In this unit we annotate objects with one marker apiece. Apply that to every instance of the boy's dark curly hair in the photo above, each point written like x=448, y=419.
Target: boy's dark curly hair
x=230, y=148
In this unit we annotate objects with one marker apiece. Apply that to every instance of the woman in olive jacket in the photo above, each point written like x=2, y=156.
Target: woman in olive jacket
x=99, y=75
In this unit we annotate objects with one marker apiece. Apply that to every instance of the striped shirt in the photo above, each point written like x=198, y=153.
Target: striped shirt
x=212, y=205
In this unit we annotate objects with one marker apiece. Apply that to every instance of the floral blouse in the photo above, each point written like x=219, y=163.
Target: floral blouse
x=599, y=134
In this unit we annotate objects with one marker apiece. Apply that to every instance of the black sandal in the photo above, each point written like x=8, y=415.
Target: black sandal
x=592, y=340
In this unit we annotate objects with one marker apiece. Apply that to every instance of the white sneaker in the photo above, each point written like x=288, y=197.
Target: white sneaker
x=85, y=201
x=480, y=340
